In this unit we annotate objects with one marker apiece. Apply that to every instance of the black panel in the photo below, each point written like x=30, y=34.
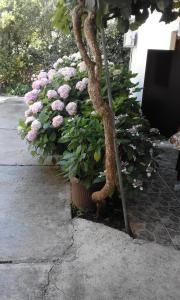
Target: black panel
x=161, y=95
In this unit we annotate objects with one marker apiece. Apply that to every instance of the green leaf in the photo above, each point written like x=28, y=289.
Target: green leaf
x=97, y=155
x=78, y=150
x=45, y=139
x=52, y=137
x=43, y=117
x=33, y=153
x=22, y=123
x=123, y=25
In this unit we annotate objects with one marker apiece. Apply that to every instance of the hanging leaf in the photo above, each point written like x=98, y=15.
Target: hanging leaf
x=163, y=4
x=97, y=155
x=122, y=25
x=141, y=17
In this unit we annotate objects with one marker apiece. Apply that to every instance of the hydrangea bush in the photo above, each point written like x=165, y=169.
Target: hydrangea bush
x=60, y=122
x=54, y=97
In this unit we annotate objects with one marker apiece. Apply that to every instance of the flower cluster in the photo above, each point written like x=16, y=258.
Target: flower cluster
x=53, y=99
x=82, y=85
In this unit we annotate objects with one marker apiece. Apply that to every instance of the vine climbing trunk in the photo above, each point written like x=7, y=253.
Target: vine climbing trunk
x=94, y=65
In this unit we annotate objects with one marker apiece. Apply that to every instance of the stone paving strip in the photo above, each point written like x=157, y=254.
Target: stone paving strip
x=44, y=255
x=155, y=214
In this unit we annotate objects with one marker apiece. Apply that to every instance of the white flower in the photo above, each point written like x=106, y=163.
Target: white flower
x=29, y=120
x=75, y=56
x=132, y=146
x=36, y=125
x=55, y=65
x=82, y=67
x=73, y=64
x=94, y=113
x=85, y=80
x=60, y=61
x=65, y=57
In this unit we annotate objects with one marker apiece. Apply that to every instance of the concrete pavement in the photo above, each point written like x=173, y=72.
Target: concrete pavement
x=44, y=255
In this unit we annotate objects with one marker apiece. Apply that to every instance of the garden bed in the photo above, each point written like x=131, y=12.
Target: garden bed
x=111, y=214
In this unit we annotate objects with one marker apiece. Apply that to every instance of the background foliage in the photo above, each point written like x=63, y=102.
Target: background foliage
x=28, y=42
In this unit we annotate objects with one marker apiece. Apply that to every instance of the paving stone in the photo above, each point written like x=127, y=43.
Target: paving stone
x=158, y=207
x=175, y=236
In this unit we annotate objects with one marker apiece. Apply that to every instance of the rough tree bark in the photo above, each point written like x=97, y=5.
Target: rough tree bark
x=94, y=89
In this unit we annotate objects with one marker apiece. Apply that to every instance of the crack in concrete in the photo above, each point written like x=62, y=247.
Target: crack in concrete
x=28, y=261
x=54, y=262
x=58, y=262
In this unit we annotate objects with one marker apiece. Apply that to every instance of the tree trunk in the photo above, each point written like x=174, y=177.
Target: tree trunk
x=94, y=89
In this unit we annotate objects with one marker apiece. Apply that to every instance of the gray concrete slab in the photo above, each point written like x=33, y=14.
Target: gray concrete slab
x=14, y=151
x=23, y=281
x=34, y=214
x=11, y=110
x=106, y=264
x=44, y=255
x=101, y=264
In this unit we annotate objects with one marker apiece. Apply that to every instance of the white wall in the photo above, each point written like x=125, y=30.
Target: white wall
x=151, y=35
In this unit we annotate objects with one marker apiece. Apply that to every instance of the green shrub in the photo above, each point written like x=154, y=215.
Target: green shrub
x=76, y=139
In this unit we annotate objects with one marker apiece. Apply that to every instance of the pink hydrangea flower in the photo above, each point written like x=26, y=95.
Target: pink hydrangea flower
x=81, y=86
x=44, y=82
x=57, y=121
x=31, y=96
x=29, y=120
x=51, y=74
x=36, y=84
x=42, y=74
x=52, y=94
x=64, y=91
x=67, y=72
x=32, y=135
x=28, y=113
x=37, y=107
x=85, y=80
x=36, y=125
x=57, y=105
x=82, y=67
x=71, y=108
